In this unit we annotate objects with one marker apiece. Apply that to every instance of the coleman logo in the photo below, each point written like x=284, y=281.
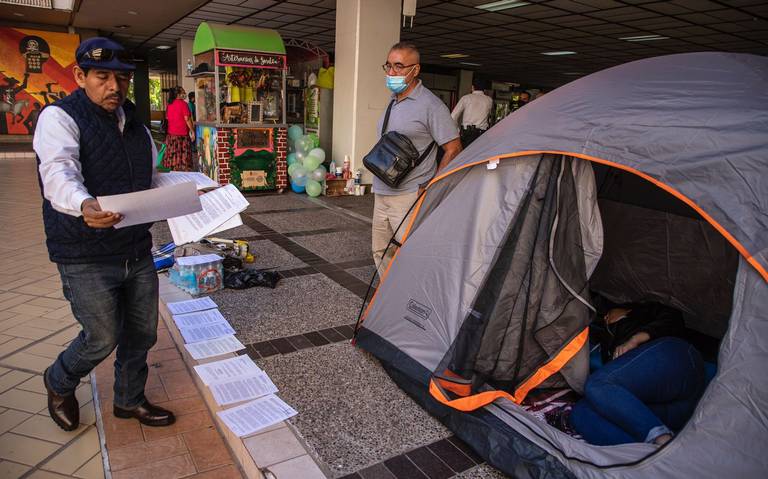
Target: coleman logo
x=418, y=309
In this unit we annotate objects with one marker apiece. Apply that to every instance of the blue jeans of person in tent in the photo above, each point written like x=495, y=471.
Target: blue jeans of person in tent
x=116, y=305
x=644, y=393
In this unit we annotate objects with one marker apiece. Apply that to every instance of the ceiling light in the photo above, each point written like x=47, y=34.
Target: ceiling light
x=122, y=27
x=501, y=5
x=555, y=54
x=163, y=47
x=471, y=64
x=454, y=55
x=131, y=12
x=644, y=38
x=18, y=14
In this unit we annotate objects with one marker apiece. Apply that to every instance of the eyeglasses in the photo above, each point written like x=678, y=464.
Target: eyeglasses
x=397, y=67
x=105, y=55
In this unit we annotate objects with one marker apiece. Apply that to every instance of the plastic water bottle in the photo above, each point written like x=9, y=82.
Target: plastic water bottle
x=189, y=66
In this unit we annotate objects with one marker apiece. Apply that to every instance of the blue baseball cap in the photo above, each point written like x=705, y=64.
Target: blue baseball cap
x=103, y=53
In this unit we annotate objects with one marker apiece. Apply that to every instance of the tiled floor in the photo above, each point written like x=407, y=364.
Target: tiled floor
x=35, y=325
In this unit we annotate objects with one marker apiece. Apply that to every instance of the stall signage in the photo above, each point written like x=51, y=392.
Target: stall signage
x=249, y=59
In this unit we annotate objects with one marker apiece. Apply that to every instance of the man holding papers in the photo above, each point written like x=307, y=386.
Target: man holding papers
x=90, y=144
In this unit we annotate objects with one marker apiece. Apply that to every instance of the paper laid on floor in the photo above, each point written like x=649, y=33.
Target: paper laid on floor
x=191, y=305
x=218, y=207
x=242, y=389
x=200, y=180
x=198, y=318
x=204, y=333
x=154, y=205
x=227, y=370
x=214, y=347
x=256, y=415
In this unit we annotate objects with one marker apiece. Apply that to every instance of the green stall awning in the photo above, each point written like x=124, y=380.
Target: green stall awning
x=211, y=36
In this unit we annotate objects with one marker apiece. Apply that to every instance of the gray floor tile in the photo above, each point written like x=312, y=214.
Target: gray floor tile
x=350, y=411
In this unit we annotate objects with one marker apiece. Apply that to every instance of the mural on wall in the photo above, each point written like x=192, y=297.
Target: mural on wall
x=206, y=151
x=35, y=70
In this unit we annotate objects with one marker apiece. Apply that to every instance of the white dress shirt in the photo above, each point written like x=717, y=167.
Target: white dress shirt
x=473, y=109
x=57, y=144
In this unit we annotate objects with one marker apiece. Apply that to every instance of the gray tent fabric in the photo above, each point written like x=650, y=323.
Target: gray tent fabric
x=694, y=125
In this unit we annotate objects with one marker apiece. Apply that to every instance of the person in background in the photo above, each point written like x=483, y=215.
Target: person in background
x=650, y=383
x=474, y=109
x=191, y=101
x=181, y=132
x=91, y=144
x=421, y=116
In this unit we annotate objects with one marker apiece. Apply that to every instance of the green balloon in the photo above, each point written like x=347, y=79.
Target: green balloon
x=313, y=188
x=311, y=162
x=292, y=168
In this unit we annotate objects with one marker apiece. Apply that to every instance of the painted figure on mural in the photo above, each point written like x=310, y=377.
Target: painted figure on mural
x=8, y=103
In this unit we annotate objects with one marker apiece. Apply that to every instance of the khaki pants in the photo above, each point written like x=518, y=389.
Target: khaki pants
x=388, y=212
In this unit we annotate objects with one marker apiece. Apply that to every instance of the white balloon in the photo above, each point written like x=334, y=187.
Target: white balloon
x=318, y=152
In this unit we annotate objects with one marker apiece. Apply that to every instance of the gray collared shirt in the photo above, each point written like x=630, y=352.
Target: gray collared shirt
x=423, y=118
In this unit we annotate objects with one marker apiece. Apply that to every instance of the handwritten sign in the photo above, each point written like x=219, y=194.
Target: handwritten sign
x=249, y=59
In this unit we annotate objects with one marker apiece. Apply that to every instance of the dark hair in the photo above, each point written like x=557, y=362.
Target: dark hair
x=171, y=95
x=407, y=46
x=191, y=95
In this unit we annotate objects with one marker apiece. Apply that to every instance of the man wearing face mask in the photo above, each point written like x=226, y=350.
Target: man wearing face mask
x=91, y=144
x=421, y=116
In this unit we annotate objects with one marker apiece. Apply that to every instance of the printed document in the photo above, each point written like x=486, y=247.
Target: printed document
x=227, y=370
x=200, y=180
x=154, y=205
x=199, y=318
x=218, y=207
x=256, y=415
x=206, y=332
x=214, y=347
x=242, y=389
x=191, y=305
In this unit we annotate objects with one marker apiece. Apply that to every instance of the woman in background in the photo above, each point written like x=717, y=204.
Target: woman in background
x=181, y=132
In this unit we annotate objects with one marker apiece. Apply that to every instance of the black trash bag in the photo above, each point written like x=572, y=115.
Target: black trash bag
x=248, y=278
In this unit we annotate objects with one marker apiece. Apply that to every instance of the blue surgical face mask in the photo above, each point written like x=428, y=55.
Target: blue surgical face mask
x=396, y=84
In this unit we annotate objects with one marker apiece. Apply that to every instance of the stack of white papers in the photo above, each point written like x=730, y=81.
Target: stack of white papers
x=214, y=347
x=191, y=305
x=256, y=415
x=232, y=380
x=175, y=177
x=235, y=379
x=220, y=208
x=154, y=205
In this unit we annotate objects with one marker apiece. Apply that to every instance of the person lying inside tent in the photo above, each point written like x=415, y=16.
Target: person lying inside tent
x=650, y=383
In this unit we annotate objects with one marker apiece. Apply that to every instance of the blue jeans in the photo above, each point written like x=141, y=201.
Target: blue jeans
x=643, y=394
x=116, y=305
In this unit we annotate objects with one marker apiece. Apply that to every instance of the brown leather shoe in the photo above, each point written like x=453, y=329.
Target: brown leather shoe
x=64, y=410
x=147, y=413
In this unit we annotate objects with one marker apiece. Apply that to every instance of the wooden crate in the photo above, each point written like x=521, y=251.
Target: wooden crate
x=335, y=187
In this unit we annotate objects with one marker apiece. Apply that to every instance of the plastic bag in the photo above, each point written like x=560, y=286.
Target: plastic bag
x=248, y=278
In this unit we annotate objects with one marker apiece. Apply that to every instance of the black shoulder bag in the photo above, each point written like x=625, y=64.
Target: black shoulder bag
x=394, y=156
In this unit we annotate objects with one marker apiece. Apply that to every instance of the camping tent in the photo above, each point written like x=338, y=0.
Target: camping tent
x=658, y=169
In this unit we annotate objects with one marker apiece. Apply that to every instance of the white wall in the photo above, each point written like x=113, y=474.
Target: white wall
x=365, y=29
x=184, y=52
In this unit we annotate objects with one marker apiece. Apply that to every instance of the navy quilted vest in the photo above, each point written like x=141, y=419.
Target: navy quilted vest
x=112, y=163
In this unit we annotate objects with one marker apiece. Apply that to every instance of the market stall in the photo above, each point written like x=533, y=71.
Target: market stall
x=240, y=85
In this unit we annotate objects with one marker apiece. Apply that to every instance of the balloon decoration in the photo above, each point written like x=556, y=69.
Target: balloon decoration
x=305, y=162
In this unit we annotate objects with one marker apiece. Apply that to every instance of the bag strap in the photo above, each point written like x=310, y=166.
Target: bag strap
x=386, y=117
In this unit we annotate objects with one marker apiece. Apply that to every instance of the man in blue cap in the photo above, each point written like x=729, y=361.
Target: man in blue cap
x=91, y=144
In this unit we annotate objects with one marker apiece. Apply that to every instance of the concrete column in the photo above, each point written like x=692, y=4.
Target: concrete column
x=465, y=82
x=141, y=91
x=365, y=29
x=183, y=53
